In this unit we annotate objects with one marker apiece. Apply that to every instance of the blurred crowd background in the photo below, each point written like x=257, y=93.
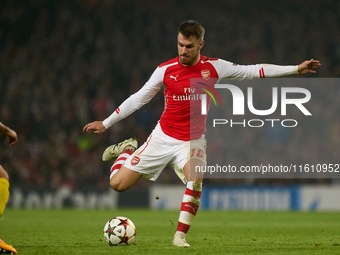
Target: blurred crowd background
x=66, y=63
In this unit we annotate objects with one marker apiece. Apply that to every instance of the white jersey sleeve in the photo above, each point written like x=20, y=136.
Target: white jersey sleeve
x=226, y=69
x=137, y=100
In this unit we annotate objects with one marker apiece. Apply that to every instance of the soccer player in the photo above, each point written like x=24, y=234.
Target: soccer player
x=178, y=138
x=4, y=185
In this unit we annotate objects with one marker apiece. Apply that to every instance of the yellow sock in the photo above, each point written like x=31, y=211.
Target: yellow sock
x=4, y=194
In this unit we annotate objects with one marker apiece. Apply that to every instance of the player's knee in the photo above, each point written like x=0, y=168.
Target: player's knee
x=3, y=173
x=117, y=185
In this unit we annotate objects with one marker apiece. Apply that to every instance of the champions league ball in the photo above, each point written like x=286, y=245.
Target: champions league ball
x=119, y=231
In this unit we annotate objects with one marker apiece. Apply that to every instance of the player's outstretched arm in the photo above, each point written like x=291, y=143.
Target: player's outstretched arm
x=96, y=126
x=308, y=66
x=7, y=132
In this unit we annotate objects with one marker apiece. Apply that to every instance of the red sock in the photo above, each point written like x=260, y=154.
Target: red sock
x=190, y=204
x=120, y=161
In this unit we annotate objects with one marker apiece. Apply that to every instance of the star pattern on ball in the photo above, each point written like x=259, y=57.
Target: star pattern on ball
x=125, y=238
x=124, y=223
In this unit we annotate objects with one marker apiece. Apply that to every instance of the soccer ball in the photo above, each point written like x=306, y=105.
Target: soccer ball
x=119, y=231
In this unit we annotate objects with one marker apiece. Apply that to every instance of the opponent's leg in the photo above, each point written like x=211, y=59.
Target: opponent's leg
x=6, y=248
x=4, y=189
x=190, y=203
x=4, y=194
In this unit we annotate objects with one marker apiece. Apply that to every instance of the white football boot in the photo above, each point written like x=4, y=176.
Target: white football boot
x=115, y=150
x=179, y=240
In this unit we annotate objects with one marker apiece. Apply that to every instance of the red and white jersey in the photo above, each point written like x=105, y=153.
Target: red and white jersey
x=182, y=118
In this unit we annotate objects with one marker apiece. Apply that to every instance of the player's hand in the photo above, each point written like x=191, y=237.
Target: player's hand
x=11, y=134
x=308, y=66
x=96, y=126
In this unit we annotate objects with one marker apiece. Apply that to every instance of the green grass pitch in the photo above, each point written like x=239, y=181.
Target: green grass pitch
x=213, y=232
